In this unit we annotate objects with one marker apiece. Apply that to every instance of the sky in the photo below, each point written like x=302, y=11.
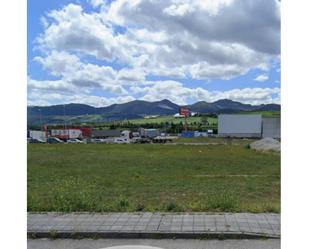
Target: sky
x=102, y=52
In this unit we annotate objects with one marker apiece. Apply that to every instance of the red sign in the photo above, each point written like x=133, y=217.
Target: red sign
x=184, y=111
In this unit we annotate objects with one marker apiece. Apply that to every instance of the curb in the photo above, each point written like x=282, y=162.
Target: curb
x=146, y=235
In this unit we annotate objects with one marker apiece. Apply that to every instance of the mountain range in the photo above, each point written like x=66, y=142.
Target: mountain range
x=140, y=108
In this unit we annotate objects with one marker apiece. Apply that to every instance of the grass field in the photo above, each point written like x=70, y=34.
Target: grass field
x=99, y=177
x=169, y=119
x=213, y=140
x=263, y=113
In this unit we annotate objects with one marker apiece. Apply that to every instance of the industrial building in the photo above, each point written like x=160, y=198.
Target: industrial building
x=40, y=135
x=66, y=133
x=240, y=125
x=248, y=125
x=151, y=133
x=105, y=133
x=271, y=127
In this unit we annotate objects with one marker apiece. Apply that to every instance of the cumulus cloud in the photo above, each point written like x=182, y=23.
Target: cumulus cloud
x=178, y=93
x=38, y=98
x=79, y=74
x=220, y=34
x=72, y=29
x=96, y=3
x=261, y=78
x=153, y=91
x=180, y=39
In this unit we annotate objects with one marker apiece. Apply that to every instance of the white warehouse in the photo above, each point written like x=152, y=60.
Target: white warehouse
x=240, y=125
x=271, y=127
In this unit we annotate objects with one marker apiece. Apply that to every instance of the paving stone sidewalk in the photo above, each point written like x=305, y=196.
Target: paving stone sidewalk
x=153, y=225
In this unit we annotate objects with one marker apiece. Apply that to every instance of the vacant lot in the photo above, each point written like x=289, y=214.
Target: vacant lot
x=98, y=177
x=214, y=140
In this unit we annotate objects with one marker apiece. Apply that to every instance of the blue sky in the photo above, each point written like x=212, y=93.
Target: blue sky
x=101, y=52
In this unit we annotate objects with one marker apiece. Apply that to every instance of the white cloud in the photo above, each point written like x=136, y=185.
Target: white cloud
x=178, y=10
x=253, y=96
x=261, y=78
x=38, y=98
x=185, y=7
x=176, y=92
x=59, y=63
x=73, y=30
x=51, y=86
x=83, y=76
x=192, y=39
x=50, y=91
x=130, y=75
x=215, y=34
x=96, y=3
x=44, y=22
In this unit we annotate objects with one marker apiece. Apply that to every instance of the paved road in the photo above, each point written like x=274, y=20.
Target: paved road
x=164, y=244
x=154, y=225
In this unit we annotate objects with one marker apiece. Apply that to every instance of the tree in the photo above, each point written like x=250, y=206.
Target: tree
x=204, y=120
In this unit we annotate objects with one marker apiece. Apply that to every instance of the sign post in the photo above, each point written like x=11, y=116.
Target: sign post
x=186, y=113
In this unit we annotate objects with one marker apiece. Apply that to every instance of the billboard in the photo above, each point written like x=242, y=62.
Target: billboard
x=184, y=111
x=66, y=133
x=271, y=127
x=240, y=125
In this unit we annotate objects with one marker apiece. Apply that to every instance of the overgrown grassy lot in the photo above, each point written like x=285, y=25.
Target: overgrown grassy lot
x=151, y=177
x=213, y=140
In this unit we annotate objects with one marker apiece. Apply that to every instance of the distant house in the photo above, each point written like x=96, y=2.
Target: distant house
x=151, y=116
x=177, y=115
x=105, y=133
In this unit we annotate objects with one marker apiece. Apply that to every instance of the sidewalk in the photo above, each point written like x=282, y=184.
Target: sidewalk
x=153, y=225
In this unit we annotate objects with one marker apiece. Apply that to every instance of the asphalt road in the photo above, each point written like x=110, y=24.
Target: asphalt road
x=164, y=244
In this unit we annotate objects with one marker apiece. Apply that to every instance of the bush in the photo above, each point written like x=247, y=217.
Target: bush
x=140, y=207
x=123, y=204
x=172, y=207
x=226, y=202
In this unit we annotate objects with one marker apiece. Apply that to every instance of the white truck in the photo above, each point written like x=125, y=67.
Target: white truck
x=126, y=138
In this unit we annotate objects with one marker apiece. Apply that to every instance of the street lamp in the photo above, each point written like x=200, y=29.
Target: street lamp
x=64, y=118
x=41, y=119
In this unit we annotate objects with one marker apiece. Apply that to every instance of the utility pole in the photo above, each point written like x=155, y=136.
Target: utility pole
x=64, y=118
x=185, y=111
x=41, y=124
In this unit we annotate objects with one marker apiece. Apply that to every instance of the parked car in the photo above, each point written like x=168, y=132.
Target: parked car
x=136, y=140
x=98, y=140
x=36, y=141
x=144, y=140
x=54, y=140
x=75, y=141
x=120, y=140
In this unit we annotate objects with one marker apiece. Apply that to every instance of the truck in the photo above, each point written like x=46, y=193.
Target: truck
x=66, y=133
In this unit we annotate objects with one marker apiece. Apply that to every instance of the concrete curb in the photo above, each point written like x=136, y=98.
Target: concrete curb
x=146, y=235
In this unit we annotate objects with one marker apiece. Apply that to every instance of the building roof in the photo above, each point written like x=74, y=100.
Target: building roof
x=106, y=133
